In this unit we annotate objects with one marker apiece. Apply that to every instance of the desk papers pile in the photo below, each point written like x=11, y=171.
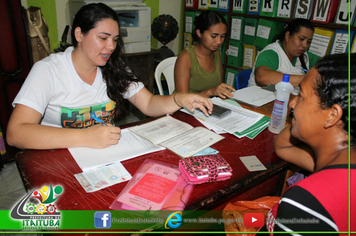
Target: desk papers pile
x=254, y=96
x=241, y=122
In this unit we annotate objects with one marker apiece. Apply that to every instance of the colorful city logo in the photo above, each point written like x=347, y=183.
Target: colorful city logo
x=174, y=220
x=37, y=209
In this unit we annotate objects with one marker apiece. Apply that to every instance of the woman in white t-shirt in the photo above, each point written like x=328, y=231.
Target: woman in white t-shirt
x=65, y=92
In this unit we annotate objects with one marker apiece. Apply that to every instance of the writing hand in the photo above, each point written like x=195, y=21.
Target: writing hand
x=100, y=136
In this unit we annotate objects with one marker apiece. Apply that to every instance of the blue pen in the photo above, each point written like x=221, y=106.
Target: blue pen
x=305, y=70
x=99, y=120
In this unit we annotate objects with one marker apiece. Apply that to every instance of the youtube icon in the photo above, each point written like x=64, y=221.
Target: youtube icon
x=254, y=219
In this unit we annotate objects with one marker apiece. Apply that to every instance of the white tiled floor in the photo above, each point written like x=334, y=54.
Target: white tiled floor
x=11, y=191
x=11, y=186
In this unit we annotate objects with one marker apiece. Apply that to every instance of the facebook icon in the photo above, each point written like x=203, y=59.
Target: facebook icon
x=102, y=219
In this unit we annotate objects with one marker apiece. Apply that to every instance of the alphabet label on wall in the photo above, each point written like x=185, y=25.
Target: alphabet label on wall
x=303, y=9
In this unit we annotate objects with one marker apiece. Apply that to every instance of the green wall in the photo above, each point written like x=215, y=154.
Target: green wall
x=154, y=4
x=48, y=9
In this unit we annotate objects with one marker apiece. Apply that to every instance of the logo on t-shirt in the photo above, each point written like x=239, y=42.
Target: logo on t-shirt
x=81, y=118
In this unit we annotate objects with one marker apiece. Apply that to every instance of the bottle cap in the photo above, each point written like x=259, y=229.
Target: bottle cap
x=286, y=78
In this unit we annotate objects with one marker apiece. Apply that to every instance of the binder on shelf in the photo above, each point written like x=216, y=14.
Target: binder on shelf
x=266, y=31
x=203, y=4
x=321, y=42
x=240, y=6
x=249, y=56
x=254, y=7
x=193, y=4
x=341, y=41
x=188, y=40
x=284, y=9
x=325, y=11
x=230, y=77
x=237, y=28
x=303, y=9
x=235, y=54
x=353, y=48
x=342, y=15
x=189, y=19
x=250, y=29
x=213, y=5
x=269, y=8
x=222, y=49
x=224, y=5
x=226, y=17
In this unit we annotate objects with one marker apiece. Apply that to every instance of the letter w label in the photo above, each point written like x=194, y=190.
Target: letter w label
x=321, y=10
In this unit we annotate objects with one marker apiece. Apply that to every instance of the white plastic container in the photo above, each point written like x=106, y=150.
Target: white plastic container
x=280, y=107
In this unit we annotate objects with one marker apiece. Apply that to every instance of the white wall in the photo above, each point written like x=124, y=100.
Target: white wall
x=63, y=18
x=173, y=8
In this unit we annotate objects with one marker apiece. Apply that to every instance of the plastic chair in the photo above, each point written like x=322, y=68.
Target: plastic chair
x=165, y=67
x=241, y=79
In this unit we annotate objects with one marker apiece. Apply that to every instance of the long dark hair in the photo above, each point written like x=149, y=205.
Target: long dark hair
x=116, y=73
x=205, y=20
x=332, y=87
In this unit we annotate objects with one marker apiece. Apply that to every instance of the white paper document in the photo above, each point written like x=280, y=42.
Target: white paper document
x=130, y=145
x=177, y=136
x=240, y=122
x=102, y=177
x=161, y=129
x=254, y=96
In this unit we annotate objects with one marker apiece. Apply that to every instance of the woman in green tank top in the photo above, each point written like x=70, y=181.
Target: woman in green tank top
x=198, y=68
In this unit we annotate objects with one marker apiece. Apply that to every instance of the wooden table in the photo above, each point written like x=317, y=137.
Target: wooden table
x=57, y=167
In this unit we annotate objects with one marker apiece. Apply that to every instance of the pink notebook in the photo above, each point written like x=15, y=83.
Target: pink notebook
x=204, y=169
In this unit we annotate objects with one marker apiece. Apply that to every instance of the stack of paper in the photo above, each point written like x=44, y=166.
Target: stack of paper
x=254, y=96
x=241, y=122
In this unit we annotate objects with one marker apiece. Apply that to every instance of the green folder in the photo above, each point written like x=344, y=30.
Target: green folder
x=250, y=29
x=240, y=6
x=235, y=53
x=230, y=76
x=269, y=8
x=188, y=20
x=266, y=31
x=222, y=51
x=237, y=28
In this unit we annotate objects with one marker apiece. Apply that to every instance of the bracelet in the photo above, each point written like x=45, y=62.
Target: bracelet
x=175, y=101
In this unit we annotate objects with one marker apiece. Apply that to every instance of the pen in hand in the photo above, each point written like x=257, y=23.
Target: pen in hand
x=99, y=120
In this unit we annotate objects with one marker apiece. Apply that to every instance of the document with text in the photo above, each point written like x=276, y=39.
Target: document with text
x=241, y=122
x=177, y=136
x=130, y=145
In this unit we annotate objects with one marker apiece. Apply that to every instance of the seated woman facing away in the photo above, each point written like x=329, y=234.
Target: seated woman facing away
x=198, y=68
x=322, y=139
x=287, y=55
x=64, y=91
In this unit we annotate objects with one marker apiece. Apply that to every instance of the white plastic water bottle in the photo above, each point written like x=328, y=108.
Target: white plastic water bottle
x=280, y=107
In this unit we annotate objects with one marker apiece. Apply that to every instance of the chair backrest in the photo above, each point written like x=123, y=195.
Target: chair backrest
x=241, y=79
x=165, y=67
